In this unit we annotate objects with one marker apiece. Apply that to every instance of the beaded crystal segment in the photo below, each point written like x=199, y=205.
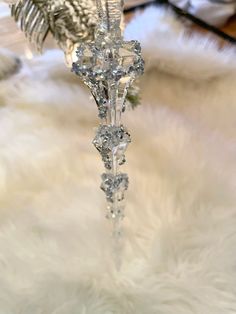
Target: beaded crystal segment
x=110, y=141
x=108, y=66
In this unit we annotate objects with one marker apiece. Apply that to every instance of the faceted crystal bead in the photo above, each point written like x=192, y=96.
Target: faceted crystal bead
x=108, y=61
x=111, y=142
x=130, y=58
x=115, y=212
x=100, y=96
x=114, y=186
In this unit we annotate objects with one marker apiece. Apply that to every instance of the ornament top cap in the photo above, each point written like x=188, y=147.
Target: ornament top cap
x=110, y=12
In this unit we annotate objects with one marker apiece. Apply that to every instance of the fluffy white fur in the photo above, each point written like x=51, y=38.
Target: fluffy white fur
x=180, y=226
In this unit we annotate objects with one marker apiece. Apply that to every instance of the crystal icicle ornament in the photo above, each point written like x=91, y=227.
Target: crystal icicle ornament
x=108, y=66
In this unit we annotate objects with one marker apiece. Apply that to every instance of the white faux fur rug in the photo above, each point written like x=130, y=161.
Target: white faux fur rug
x=180, y=225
